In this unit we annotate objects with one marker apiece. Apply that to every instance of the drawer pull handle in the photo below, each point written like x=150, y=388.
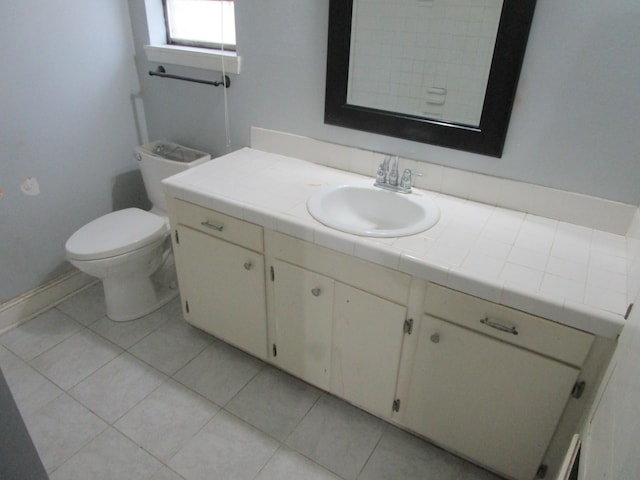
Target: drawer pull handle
x=212, y=226
x=435, y=338
x=315, y=292
x=499, y=326
x=248, y=265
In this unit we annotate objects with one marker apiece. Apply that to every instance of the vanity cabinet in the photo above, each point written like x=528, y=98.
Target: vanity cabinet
x=328, y=330
x=220, y=269
x=488, y=382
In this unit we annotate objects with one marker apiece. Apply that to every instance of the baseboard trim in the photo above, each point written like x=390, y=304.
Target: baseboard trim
x=29, y=304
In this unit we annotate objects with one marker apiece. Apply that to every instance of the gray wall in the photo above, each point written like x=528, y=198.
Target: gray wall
x=574, y=126
x=66, y=119
x=66, y=109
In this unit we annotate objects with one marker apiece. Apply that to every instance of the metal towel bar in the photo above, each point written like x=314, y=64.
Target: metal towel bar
x=161, y=72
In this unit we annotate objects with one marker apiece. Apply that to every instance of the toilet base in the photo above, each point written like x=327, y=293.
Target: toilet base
x=139, y=296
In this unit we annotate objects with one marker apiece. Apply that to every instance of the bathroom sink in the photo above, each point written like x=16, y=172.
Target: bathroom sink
x=371, y=212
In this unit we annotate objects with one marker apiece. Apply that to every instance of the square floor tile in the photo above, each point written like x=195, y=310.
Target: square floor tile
x=86, y=306
x=118, y=386
x=30, y=389
x=165, y=473
x=108, y=456
x=126, y=334
x=469, y=471
x=338, y=436
x=225, y=448
x=166, y=418
x=171, y=346
x=75, y=358
x=6, y=356
x=287, y=464
x=401, y=456
x=39, y=334
x=274, y=402
x=60, y=428
x=219, y=372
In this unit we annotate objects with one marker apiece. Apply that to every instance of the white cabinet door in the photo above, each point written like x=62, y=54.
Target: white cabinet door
x=302, y=310
x=367, y=344
x=223, y=290
x=492, y=402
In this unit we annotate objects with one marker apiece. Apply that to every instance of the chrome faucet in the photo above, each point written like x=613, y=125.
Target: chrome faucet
x=393, y=174
x=387, y=176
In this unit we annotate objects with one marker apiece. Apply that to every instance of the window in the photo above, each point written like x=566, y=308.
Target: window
x=201, y=23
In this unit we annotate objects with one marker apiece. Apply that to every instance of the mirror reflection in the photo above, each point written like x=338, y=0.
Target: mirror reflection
x=443, y=72
x=425, y=58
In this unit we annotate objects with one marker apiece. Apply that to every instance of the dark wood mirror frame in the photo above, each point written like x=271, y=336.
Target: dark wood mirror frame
x=487, y=139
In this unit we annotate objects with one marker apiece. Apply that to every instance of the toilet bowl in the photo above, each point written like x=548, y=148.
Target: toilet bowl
x=124, y=249
x=130, y=250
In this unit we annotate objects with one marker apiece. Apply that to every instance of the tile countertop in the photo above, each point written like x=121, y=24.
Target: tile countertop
x=567, y=273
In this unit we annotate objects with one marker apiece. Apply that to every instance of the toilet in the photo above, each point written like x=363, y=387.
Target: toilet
x=130, y=249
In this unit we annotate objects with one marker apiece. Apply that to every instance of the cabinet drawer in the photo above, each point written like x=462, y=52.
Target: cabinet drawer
x=217, y=224
x=534, y=333
x=381, y=281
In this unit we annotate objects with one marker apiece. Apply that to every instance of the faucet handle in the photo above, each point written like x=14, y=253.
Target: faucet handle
x=381, y=175
x=406, y=182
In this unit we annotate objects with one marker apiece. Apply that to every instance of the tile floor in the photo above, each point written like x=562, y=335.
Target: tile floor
x=159, y=399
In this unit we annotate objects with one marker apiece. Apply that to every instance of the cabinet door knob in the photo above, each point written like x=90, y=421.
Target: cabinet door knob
x=315, y=292
x=248, y=265
x=435, y=338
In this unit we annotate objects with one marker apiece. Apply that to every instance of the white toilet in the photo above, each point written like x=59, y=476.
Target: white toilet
x=130, y=249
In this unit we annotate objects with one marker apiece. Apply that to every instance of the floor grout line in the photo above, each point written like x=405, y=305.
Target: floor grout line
x=282, y=446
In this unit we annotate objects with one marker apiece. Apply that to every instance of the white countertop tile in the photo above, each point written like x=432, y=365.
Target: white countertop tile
x=567, y=268
x=521, y=276
x=570, y=274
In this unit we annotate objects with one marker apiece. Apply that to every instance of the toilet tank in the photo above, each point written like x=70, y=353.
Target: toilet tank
x=159, y=160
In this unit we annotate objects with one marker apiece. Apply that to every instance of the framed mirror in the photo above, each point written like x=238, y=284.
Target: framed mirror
x=434, y=71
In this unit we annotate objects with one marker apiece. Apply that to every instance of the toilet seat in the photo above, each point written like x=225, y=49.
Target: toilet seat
x=116, y=233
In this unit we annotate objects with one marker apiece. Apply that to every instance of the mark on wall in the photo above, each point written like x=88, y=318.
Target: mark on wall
x=30, y=186
x=1, y=193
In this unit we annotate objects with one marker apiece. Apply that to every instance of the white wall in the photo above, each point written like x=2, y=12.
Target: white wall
x=66, y=119
x=610, y=449
x=574, y=125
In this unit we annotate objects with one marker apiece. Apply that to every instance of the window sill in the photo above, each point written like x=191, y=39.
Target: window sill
x=202, y=58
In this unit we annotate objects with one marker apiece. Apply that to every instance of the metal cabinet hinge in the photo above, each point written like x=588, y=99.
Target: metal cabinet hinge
x=628, y=312
x=177, y=237
x=275, y=350
x=186, y=305
x=273, y=273
x=408, y=326
x=396, y=405
x=578, y=389
x=542, y=471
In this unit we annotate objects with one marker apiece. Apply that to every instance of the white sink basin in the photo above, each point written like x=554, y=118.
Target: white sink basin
x=372, y=212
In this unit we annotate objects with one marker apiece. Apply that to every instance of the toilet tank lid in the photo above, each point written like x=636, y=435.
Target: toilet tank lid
x=116, y=233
